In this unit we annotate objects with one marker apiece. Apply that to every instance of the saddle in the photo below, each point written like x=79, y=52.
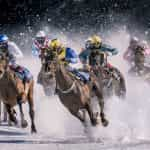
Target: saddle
x=21, y=72
x=81, y=75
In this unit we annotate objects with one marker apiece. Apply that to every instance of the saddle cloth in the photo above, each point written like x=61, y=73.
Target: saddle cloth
x=21, y=72
x=81, y=75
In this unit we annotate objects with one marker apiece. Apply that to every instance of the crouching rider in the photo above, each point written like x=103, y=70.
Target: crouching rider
x=68, y=57
x=94, y=59
x=39, y=47
x=95, y=53
x=11, y=51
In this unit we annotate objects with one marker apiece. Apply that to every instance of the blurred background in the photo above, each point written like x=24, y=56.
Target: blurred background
x=73, y=16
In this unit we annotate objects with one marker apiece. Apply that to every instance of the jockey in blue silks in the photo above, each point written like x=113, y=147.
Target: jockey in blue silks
x=68, y=56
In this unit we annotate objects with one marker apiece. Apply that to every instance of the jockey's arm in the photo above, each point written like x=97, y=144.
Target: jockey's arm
x=83, y=56
x=107, y=48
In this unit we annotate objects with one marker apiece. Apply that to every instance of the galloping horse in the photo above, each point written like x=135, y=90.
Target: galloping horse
x=140, y=67
x=112, y=79
x=11, y=94
x=76, y=96
x=46, y=76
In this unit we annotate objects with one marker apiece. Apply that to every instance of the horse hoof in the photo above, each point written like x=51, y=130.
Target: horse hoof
x=5, y=120
x=24, y=124
x=105, y=122
x=14, y=120
x=10, y=123
x=33, y=130
x=95, y=122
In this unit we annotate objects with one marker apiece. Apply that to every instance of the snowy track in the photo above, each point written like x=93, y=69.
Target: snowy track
x=18, y=143
x=59, y=130
x=22, y=140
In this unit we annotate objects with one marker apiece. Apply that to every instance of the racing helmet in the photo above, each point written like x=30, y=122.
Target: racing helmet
x=3, y=42
x=94, y=41
x=41, y=37
x=56, y=45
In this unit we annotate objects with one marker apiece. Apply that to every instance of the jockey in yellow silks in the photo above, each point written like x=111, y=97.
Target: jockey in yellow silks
x=68, y=56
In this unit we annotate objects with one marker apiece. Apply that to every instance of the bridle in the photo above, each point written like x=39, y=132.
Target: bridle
x=67, y=91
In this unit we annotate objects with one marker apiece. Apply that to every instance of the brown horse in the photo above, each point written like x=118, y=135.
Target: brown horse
x=140, y=68
x=76, y=96
x=11, y=94
x=46, y=76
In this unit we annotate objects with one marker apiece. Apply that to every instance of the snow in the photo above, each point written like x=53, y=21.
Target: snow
x=57, y=129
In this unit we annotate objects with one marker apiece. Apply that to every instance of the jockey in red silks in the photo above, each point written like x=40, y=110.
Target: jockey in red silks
x=40, y=44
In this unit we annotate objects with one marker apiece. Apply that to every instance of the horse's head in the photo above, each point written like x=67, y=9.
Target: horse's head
x=3, y=65
x=98, y=58
x=49, y=63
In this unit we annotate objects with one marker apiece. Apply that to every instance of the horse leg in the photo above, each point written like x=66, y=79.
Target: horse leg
x=11, y=114
x=93, y=116
x=100, y=98
x=39, y=78
x=24, y=123
x=31, y=109
x=120, y=90
x=120, y=87
x=78, y=115
x=0, y=112
x=105, y=122
x=5, y=114
x=5, y=117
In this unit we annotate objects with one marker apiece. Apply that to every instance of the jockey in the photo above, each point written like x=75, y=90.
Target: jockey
x=12, y=52
x=129, y=53
x=133, y=45
x=67, y=56
x=40, y=44
x=93, y=48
